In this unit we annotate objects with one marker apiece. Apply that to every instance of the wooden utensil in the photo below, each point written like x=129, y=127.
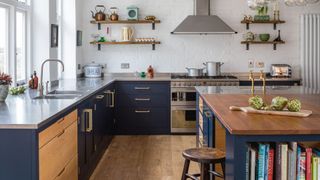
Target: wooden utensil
x=302, y=113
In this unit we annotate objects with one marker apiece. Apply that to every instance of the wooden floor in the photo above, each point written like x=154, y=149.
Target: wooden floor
x=145, y=158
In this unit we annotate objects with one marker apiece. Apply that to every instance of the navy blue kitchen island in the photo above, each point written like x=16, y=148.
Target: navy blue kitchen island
x=241, y=129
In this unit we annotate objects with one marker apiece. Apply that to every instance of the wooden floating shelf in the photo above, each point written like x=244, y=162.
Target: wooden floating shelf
x=275, y=43
x=274, y=22
x=124, y=43
x=126, y=22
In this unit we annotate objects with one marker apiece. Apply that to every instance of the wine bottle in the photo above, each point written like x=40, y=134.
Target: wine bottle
x=279, y=37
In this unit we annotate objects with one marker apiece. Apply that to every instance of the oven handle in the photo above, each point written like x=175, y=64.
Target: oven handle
x=175, y=108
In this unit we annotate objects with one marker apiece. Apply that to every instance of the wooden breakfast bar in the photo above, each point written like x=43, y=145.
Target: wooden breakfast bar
x=242, y=128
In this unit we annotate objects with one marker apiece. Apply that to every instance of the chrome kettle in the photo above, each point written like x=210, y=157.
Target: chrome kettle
x=213, y=68
x=100, y=14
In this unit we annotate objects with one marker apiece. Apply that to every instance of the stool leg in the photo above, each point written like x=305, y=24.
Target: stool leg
x=205, y=171
x=223, y=165
x=185, y=169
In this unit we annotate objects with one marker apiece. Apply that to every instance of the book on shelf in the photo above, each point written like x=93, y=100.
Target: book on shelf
x=283, y=161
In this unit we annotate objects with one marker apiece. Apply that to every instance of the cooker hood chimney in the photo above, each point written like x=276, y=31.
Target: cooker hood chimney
x=202, y=23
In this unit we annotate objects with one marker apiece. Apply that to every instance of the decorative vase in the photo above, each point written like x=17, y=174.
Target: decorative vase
x=4, y=90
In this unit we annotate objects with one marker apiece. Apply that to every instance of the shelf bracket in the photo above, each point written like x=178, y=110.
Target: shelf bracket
x=248, y=26
x=153, y=47
x=153, y=25
x=99, y=26
x=247, y=46
x=274, y=46
x=275, y=26
x=99, y=47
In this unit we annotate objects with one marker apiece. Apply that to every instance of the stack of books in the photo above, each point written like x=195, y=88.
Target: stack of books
x=283, y=161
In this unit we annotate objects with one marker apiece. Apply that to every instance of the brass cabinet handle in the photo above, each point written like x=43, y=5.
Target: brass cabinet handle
x=142, y=88
x=60, y=121
x=60, y=173
x=147, y=111
x=100, y=97
x=89, y=128
x=112, y=94
x=142, y=99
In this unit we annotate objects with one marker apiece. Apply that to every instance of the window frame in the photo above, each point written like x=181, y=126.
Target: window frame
x=7, y=69
x=14, y=6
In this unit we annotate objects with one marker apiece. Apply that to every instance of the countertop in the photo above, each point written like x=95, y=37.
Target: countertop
x=219, y=99
x=24, y=112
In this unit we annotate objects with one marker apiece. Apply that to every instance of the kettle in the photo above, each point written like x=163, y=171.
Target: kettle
x=100, y=13
x=127, y=34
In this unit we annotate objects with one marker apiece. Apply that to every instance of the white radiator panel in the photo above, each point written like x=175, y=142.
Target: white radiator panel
x=310, y=50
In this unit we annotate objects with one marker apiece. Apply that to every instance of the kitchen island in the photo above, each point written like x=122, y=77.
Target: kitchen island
x=242, y=129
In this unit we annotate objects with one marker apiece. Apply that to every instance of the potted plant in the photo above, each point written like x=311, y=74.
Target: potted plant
x=5, y=82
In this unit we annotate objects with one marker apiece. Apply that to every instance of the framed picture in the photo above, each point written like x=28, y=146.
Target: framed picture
x=54, y=35
x=79, y=38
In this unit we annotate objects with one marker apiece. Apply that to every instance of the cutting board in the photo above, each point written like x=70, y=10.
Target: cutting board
x=302, y=113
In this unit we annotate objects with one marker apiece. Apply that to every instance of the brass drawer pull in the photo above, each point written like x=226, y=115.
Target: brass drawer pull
x=137, y=111
x=60, y=134
x=142, y=88
x=60, y=121
x=100, y=97
x=60, y=173
x=142, y=99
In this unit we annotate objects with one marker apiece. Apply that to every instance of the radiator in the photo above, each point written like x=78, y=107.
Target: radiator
x=310, y=50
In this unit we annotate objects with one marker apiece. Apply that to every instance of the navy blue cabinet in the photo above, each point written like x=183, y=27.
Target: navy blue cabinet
x=142, y=107
x=95, y=129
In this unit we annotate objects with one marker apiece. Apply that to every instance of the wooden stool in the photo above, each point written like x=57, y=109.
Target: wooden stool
x=204, y=156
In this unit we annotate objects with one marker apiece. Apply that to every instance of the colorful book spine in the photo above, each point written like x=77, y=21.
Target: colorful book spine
x=314, y=168
x=278, y=161
x=308, y=163
x=247, y=163
x=270, y=164
x=284, y=161
x=302, y=166
x=298, y=162
x=266, y=161
x=253, y=164
x=261, y=161
x=318, y=167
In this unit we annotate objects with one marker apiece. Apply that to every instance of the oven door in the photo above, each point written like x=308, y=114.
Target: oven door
x=183, y=96
x=183, y=119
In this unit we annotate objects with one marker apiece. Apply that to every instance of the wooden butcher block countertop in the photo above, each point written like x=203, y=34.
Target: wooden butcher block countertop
x=240, y=123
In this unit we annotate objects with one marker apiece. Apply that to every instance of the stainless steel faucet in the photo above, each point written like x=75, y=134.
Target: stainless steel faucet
x=41, y=75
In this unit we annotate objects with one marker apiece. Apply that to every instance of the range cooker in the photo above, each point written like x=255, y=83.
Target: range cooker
x=183, y=98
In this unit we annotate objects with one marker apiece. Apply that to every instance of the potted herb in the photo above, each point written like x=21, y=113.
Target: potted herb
x=262, y=12
x=5, y=82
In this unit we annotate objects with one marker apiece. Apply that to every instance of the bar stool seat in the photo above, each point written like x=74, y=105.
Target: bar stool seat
x=204, y=156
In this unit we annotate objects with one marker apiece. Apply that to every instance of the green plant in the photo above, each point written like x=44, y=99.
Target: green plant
x=17, y=90
x=263, y=10
x=5, y=79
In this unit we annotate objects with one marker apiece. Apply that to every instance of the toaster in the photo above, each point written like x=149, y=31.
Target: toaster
x=281, y=70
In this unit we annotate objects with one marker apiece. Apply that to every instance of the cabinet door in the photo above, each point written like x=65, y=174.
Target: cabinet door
x=99, y=120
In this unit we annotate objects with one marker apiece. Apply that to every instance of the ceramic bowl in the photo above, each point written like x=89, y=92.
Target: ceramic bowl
x=264, y=37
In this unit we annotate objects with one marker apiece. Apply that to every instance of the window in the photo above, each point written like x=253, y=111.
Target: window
x=21, y=64
x=14, y=35
x=3, y=39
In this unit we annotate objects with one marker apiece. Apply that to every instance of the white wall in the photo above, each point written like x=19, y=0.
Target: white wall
x=177, y=52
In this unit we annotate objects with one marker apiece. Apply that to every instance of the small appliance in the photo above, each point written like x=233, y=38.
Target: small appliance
x=133, y=13
x=281, y=70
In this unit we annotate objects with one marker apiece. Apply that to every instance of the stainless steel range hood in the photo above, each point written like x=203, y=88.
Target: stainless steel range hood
x=202, y=23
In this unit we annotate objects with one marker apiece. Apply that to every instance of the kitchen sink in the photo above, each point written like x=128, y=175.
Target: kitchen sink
x=65, y=92
x=60, y=96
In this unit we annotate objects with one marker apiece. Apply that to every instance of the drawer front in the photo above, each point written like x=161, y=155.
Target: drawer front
x=143, y=88
x=70, y=172
x=48, y=134
x=58, y=152
x=133, y=100
x=145, y=119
